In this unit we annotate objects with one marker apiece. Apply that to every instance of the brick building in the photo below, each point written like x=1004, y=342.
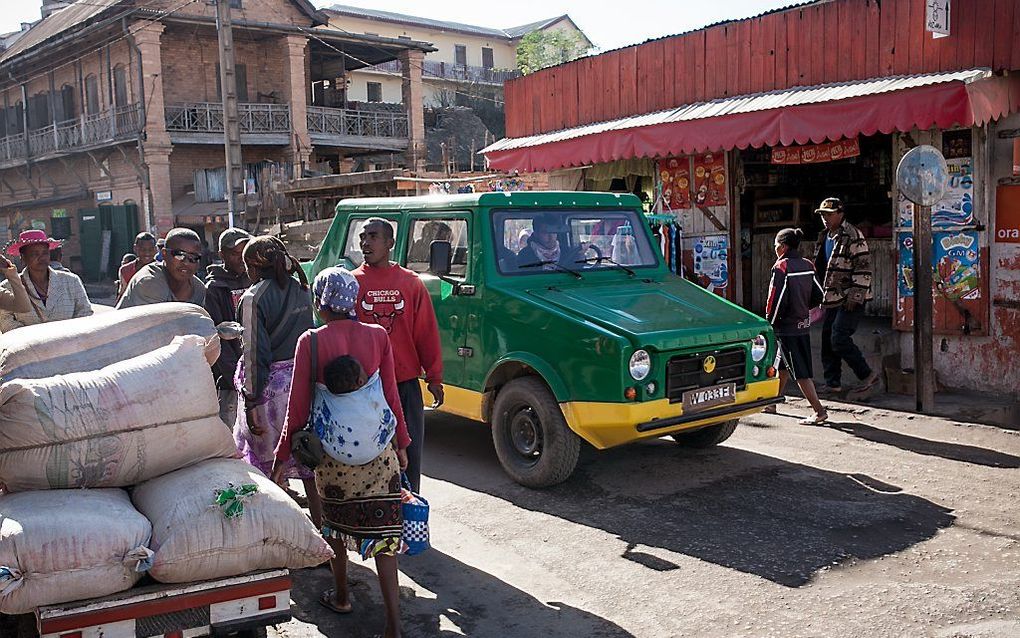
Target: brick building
x=111, y=117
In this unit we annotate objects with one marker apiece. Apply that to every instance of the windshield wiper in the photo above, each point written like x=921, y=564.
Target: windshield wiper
x=553, y=262
x=598, y=260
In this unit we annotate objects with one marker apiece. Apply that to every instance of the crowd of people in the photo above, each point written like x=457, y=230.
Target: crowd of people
x=270, y=380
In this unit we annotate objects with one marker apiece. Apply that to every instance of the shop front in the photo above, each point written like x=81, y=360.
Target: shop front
x=730, y=173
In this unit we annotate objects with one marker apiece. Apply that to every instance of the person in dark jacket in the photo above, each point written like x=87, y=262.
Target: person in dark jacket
x=225, y=285
x=275, y=311
x=793, y=291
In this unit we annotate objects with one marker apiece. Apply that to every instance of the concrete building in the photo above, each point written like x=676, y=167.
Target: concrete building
x=481, y=58
x=111, y=118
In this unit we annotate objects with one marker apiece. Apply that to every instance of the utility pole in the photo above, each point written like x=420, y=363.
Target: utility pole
x=228, y=91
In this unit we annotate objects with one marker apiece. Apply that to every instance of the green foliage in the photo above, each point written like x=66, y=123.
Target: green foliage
x=540, y=49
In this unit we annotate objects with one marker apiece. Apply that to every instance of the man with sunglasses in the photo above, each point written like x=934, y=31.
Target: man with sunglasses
x=172, y=279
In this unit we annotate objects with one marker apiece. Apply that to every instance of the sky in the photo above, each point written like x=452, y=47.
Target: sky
x=609, y=24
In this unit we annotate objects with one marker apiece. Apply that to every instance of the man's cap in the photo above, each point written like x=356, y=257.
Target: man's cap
x=231, y=237
x=830, y=205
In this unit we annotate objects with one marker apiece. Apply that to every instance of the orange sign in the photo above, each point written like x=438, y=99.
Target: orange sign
x=1007, y=215
x=816, y=153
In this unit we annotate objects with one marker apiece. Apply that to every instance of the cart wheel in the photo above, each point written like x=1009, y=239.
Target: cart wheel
x=532, y=439
x=706, y=437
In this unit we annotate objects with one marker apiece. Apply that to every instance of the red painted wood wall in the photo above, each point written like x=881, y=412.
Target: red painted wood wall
x=829, y=41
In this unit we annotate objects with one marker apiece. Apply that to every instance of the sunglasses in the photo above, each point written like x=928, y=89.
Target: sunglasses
x=183, y=255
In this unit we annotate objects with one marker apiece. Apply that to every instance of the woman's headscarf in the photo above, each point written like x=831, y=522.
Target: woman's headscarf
x=335, y=289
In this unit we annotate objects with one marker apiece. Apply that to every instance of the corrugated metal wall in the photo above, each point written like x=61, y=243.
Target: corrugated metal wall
x=821, y=43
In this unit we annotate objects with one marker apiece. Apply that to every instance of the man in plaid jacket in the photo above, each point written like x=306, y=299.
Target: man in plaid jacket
x=844, y=262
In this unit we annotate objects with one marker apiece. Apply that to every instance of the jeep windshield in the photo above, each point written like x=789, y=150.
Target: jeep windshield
x=539, y=241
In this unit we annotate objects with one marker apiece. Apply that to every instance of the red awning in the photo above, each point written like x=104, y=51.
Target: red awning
x=796, y=116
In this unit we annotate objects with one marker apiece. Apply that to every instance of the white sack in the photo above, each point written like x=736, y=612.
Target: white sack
x=91, y=343
x=59, y=546
x=195, y=540
x=114, y=427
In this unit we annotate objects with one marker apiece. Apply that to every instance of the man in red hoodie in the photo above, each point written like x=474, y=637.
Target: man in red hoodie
x=397, y=300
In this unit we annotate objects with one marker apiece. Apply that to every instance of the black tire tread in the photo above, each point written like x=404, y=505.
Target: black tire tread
x=706, y=437
x=558, y=460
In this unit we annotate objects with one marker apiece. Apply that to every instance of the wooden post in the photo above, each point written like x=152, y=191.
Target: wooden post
x=924, y=373
x=231, y=127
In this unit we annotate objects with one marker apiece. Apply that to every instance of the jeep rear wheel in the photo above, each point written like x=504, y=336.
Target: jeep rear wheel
x=533, y=442
x=707, y=436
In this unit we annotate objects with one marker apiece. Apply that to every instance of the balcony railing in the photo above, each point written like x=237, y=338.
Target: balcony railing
x=344, y=122
x=207, y=117
x=87, y=131
x=448, y=71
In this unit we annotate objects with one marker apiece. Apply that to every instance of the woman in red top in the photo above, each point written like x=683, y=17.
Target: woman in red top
x=360, y=503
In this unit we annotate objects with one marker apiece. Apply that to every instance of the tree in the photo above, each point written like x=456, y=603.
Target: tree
x=540, y=49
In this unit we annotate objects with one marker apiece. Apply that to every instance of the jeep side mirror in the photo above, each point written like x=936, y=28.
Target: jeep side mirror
x=440, y=257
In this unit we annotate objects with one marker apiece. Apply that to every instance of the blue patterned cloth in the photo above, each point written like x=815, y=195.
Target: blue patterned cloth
x=335, y=289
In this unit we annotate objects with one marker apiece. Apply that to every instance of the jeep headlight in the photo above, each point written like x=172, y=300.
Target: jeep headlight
x=759, y=345
x=640, y=365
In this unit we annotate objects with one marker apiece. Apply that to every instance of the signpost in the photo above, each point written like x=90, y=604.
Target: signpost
x=923, y=177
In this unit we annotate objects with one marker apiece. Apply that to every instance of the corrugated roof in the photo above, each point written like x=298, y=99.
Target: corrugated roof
x=442, y=25
x=56, y=24
x=745, y=104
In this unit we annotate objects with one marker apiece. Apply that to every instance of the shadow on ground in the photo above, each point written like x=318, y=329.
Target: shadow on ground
x=757, y=514
x=926, y=447
x=467, y=601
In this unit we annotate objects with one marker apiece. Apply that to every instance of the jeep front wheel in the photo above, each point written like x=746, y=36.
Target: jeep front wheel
x=533, y=442
x=707, y=436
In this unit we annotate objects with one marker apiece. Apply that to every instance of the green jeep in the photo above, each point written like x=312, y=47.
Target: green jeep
x=578, y=333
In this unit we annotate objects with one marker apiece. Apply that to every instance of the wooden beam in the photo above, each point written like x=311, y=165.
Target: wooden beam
x=24, y=174
x=128, y=157
x=7, y=185
x=99, y=163
x=69, y=167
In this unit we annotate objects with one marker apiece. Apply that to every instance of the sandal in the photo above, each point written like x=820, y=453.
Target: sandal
x=816, y=419
x=328, y=600
x=769, y=409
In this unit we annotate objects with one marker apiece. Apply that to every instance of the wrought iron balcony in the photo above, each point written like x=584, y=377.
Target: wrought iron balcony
x=207, y=117
x=448, y=71
x=354, y=123
x=82, y=133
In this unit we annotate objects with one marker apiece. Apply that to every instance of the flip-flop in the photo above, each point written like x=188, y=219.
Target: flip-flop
x=815, y=419
x=769, y=409
x=327, y=600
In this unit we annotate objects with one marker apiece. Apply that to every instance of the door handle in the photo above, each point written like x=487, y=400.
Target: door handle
x=472, y=322
x=454, y=320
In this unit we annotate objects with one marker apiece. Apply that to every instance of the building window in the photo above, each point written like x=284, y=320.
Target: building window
x=39, y=111
x=235, y=4
x=460, y=55
x=375, y=91
x=91, y=95
x=68, y=109
x=120, y=86
x=487, y=58
x=241, y=79
x=211, y=185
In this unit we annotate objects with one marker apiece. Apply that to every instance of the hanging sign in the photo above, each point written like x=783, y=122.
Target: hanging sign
x=936, y=17
x=711, y=262
x=1007, y=215
x=956, y=208
x=816, y=153
x=957, y=271
x=675, y=174
x=710, y=179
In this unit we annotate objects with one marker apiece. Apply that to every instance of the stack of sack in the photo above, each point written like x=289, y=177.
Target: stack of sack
x=116, y=464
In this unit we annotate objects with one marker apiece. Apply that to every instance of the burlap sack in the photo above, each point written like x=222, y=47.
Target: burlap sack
x=91, y=343
x=196, y=539
x=114, y=427
x=63, y=545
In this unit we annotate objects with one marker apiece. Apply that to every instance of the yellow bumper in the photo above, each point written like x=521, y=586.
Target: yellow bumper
x=605, y=425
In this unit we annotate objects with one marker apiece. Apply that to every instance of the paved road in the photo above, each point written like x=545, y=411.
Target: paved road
x=881, y=525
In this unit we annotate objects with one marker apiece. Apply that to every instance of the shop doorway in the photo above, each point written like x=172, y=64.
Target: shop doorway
x=782, y=186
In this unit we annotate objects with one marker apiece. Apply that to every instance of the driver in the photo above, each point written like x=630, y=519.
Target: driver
x=543, y=246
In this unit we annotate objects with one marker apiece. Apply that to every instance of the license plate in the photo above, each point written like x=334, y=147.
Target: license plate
x=709, y=397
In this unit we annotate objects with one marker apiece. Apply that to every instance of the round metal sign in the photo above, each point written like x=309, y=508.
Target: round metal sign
x=922, y=175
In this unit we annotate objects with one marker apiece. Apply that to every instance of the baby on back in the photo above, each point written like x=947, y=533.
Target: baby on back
x=350, y=413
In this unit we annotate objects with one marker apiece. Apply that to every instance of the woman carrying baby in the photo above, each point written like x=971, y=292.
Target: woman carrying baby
x=355, y=360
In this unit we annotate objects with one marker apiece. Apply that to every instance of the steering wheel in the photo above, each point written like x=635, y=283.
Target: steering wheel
x=588, y=262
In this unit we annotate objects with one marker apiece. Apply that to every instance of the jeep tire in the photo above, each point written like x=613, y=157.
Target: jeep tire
x=709, y=436
x=534, y=444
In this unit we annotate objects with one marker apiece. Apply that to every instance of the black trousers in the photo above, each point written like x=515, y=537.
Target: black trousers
x=838, y=346
x=414, y=415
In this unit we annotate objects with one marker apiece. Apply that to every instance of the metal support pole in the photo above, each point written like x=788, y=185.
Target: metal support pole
x=924, y=373
x=231, y=128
